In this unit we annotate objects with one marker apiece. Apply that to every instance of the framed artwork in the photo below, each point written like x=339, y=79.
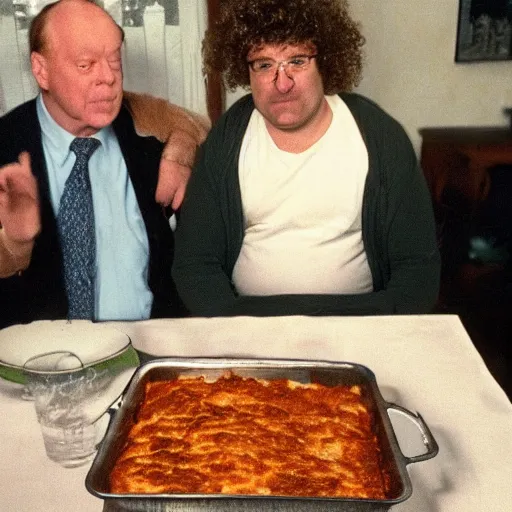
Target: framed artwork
x=484, y=31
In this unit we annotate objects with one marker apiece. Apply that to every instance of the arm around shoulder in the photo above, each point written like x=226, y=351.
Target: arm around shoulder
x=161, y=119
x=181, y=130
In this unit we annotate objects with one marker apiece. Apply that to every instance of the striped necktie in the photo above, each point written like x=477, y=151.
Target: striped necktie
x=75, y=221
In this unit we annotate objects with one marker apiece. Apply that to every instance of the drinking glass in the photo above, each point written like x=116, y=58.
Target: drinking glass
x=68, y=403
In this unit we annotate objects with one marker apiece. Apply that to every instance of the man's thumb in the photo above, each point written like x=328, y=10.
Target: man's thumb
x=24, y=159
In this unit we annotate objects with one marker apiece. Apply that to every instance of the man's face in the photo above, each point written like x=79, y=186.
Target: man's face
x=289, y=97
x=80, y=70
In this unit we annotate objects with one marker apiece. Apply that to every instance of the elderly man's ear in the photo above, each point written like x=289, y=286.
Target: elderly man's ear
x=181, y=130
x=39, y=70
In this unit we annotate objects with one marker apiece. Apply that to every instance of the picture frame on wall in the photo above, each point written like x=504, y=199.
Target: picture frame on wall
x=484, y=31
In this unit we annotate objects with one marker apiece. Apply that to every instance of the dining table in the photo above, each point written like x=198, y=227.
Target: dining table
x=424, y=363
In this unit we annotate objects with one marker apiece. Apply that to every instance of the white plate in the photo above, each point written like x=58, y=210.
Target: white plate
x=91, y=343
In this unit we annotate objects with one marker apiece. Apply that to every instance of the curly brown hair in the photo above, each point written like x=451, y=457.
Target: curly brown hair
x=247, y=24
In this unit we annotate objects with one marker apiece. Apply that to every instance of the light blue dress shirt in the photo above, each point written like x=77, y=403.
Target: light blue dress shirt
x=122, y=248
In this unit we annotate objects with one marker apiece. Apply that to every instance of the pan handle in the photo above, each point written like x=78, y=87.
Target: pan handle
x=428, y=439
x=110, y=412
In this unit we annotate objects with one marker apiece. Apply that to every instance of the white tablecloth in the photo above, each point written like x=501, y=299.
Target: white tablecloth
x=424, y=363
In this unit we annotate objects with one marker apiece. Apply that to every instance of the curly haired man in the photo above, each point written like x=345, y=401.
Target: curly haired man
x=306, y=198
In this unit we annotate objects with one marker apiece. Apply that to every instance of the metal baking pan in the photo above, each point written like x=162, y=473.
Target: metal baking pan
x=326, y=373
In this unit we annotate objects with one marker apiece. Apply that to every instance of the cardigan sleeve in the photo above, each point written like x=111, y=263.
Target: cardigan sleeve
x=200, y=268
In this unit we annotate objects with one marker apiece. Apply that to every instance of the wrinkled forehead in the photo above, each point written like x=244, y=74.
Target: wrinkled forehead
x=82, y=25
x=280, y=50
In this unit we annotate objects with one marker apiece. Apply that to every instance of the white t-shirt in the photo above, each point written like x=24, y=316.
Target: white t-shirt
x=302, y=212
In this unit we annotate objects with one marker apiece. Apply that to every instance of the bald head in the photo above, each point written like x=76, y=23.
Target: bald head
x=67, y=9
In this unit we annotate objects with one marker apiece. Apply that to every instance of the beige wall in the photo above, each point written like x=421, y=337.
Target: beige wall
x=410, y=68
x=411, y=72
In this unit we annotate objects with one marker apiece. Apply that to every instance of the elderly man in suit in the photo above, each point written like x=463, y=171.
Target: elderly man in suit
x=82, y=235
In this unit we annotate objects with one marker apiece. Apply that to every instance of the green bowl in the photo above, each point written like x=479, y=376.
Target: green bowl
x=94, y=344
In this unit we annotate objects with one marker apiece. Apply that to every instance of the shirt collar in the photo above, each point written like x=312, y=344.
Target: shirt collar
x=57, y=138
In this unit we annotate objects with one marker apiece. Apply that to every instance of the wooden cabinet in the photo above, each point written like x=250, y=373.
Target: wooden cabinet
x=457, y=160
x=461, y=166
x=458, y=165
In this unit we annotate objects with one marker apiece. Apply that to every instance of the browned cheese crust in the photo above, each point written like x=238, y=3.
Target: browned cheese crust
x=251, y=436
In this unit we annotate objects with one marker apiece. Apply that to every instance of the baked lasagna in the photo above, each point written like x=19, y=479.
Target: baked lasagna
x=250, y=436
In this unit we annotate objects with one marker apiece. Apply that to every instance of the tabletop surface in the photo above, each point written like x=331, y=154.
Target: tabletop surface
x=424, y=363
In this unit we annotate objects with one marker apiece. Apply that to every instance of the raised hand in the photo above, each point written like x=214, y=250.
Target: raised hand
x=19, y=201
x=20, y=220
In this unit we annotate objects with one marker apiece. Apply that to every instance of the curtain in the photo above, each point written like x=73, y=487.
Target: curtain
x=161, y=54
x=193, y=16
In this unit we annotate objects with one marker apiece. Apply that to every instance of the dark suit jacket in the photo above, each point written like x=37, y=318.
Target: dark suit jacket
x=39, y=293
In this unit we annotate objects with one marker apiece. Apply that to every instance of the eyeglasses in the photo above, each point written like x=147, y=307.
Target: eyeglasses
x=270, y=67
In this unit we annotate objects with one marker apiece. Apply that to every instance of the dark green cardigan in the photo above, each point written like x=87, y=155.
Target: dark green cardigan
x=397, y=222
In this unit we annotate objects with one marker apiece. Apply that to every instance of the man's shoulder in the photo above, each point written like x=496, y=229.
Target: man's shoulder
x=372, y=119
x=238, y=113
x=18, y=116
x=364, y=107
x=242, y=104
x=123, y=123
x=19, y=130
x=230, y=127
x=129, y=139
x=141, y=154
